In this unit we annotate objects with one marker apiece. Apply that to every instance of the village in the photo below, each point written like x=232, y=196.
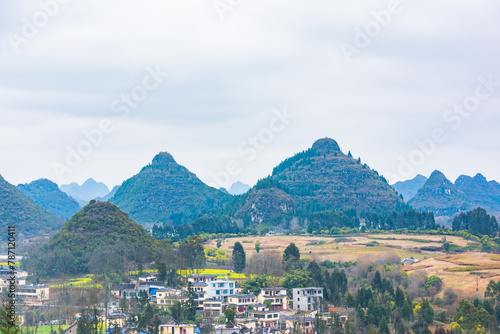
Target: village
x=273, y=309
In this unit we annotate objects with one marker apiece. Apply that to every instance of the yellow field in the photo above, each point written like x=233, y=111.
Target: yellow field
x=462, y=271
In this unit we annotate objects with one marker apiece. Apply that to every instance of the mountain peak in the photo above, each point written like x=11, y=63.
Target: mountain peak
x=326, y=145
x=480, y=178
x=163, y=158
x=437, y=174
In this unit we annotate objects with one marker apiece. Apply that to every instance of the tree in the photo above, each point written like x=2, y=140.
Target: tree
x=291, y=257
x=239, y=258
x=254, y=285
x=219, y=243
x=446, y=247
x=426, y=311
x=230, y=314
x=162, y=271
x=296, y=279
x=377, y=281
x=191, y=253
x=8, y=321
x=268, y=303
x=257, y=246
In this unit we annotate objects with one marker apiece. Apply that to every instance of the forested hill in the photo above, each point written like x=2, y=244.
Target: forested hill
x=99, y=238
x=165, y=192
x=48, y=195
x=320, y=178
x=29, y=218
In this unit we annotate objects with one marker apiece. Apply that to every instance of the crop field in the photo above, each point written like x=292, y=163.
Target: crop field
x=465, y=271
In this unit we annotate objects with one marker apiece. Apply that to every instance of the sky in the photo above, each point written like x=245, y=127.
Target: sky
x=232, y=87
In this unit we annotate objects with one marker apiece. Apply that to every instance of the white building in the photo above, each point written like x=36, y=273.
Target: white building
x=307, y=299
x=220, y=289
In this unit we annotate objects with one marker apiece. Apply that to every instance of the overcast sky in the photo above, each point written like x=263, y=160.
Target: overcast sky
x=377, y=76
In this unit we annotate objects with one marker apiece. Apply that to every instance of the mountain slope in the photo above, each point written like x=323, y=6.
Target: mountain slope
x=321, y=178
x=89, y=190
x=48, y=195
x=440, y=196
x=408, y=189
x=165, y=192
x=17, y=210
x=98, y=238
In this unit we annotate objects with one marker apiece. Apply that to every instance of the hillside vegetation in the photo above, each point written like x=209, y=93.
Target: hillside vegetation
x=165, y=192
x=17, y=210
x=48, y=195
x=99, y=238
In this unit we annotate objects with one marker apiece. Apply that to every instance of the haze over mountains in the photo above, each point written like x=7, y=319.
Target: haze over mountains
x=318, y=179
x=89, y=190
x=408, y=189
x=446, y=199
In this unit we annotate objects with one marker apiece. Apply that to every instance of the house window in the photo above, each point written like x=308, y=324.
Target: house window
x=217, y=292
x=230, y=285
x=231, y=292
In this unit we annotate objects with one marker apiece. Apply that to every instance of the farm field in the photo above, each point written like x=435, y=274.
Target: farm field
x=464, y=271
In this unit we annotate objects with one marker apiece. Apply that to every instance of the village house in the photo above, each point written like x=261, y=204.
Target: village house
x=241, y=302
x=277, y=297
x=213, y=307
x=202, y=278
x=33, y=294
x=307, y=299
x=261, y=314
x=167, y=296
x=220, y=289
x=177, y=329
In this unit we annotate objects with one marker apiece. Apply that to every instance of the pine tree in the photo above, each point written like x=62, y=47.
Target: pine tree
x=239, y=258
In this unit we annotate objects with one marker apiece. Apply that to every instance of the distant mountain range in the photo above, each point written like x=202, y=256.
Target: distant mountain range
x=89, y=190
x=446, y=199
x=408, y=189
x=48, y=195
x=29, y=218
x=321, y=178
x=165, y=192
x=237, y=188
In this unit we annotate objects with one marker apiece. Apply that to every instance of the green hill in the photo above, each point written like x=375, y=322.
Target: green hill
x=320, y=178
x=98, y=238
x=29, y=218
x=165, y=192
x=48, y=195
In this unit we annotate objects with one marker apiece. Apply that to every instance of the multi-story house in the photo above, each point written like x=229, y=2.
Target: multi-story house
x=202, y=278
x=177, y=329
x=307, y=299
x=241, y=302
x=220, y=289
x=166, y=297
x=262, y=315
x=213, y=307
x=277, y=297
x=34, y=294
